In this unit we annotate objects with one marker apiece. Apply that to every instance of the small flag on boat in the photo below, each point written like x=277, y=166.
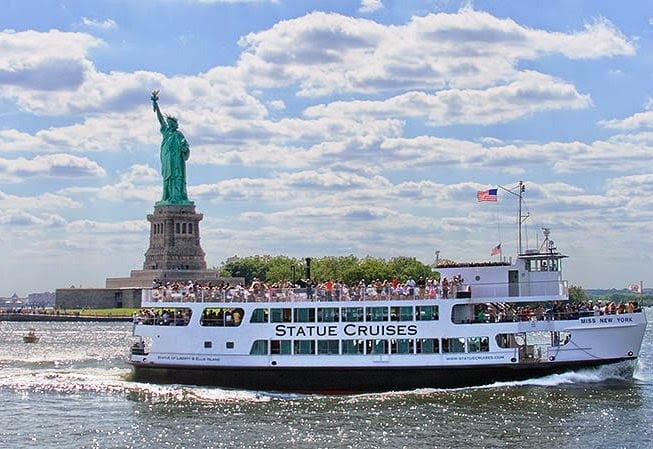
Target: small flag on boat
x=634, y=288
x=496, y=250
x=486, y=195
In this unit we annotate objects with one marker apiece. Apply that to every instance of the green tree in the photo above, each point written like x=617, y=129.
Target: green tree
x=404, y=268
x=374, y=268
x=577, y=294
x=247, y=267
x=280, y=268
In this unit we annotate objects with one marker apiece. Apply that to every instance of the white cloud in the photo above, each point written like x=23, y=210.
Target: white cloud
x=53, y=165
x=527, y=93
x=140, y=183
x=106, y=24
x=636, y=121
x=45, y=201
x=42, y=63
x=329, y=53
x=368, y=6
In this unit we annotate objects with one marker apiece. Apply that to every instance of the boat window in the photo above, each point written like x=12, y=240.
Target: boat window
x=377, y=346
x=478, y=344
x=402, y=346
x=376, y=313
x=304, y=347
x=328, y=346
x=427, y=346
x=259, y=347
x=543, y=265
x=260, y=316
x=352, y=314
x=403, y=313
x=208, y=345
x=353, y=346
x=327, y=315
x=164, y=316
x=560, y=338
x=453, y=344
x=304, y=315
x=229, y=345
x=427, y=313
x=280, y=346
x=510, y=340
x=280, y=315
x=222, y=317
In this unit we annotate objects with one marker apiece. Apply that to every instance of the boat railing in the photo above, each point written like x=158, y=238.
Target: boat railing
x=555, y=290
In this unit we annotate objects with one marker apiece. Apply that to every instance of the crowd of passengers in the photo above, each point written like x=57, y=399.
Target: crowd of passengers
x=422, y=288
x=163, y=317
x=498, y=313
x=181, y=317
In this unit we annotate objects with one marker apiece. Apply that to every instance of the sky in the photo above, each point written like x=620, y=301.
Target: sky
x=327, y=128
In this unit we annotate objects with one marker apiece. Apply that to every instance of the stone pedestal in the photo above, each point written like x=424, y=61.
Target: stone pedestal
x=175, y=254
x=174, y=239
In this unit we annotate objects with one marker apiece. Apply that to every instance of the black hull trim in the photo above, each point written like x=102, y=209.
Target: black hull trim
x=344, y=380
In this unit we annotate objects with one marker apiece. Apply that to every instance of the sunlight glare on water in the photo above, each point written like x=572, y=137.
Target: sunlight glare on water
x=73, y=389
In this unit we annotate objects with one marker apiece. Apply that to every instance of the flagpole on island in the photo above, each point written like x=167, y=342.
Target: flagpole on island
x=520, y=217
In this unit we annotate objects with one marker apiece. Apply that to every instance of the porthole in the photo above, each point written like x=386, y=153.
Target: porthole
x=478, y=278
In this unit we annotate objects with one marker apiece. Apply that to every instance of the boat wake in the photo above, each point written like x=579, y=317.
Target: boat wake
x=622, y=371
x=118, y=381
x=68, y=380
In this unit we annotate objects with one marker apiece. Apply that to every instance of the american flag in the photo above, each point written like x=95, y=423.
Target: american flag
x=486, y=195
x=496, y=250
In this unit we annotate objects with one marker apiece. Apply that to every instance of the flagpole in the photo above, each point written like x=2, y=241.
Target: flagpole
x=520, y=218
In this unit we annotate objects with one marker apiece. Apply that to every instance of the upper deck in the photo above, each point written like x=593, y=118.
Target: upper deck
x=551, y=290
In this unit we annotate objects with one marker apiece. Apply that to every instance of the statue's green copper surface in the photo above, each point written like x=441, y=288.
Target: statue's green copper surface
x=174, y=154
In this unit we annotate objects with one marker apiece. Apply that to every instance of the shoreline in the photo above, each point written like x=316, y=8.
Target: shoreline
x=60, y=317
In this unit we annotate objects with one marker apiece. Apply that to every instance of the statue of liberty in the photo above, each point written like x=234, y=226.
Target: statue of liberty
x=174, y=154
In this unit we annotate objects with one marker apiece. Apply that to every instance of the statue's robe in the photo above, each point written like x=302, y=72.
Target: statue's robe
x=174, y=154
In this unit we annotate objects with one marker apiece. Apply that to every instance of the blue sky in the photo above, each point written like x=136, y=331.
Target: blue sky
x=326, y=128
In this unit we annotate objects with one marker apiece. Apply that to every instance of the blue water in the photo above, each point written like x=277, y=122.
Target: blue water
x=72, y=390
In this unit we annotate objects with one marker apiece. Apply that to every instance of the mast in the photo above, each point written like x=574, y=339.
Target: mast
x=520, y=217
x=521, y=188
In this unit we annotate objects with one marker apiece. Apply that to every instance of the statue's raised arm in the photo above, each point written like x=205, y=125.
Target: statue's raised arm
x=155, y=106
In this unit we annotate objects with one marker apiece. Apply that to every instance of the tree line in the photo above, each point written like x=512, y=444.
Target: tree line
x=348, y=269
x=351, y=270
x=578, y=295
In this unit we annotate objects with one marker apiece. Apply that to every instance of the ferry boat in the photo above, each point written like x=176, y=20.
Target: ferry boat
x=489, y=322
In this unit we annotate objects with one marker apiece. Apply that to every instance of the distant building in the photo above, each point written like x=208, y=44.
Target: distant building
x=12, y=302
x=45, y=299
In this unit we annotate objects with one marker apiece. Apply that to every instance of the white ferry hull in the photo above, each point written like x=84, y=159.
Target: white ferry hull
x=178, y=354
